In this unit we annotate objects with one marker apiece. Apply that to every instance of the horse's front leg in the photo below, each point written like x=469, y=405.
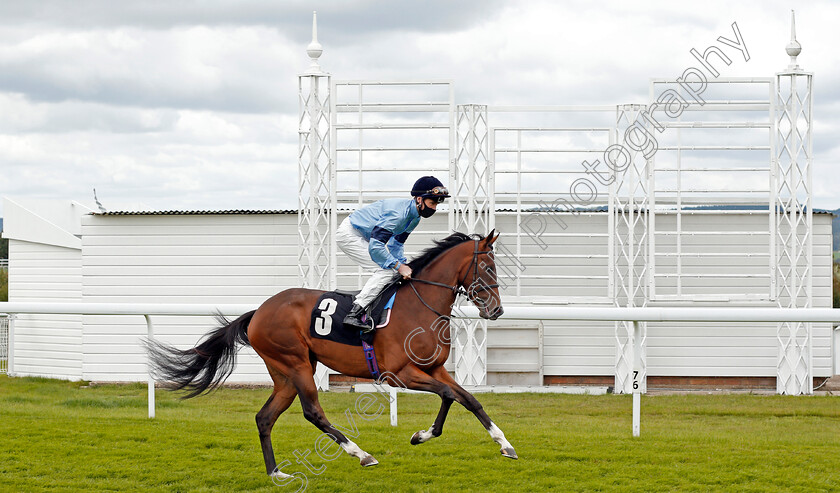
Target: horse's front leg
x=471, y=403
x=415, y=379
x=437, y=427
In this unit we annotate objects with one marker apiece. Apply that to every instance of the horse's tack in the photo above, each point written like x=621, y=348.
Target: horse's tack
x=370, y=359
x=459, y=287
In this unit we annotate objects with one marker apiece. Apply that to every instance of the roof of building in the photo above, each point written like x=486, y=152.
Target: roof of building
x=293, y=211
x=193, y=212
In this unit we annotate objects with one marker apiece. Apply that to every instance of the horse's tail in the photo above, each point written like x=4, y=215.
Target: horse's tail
x=205, y=366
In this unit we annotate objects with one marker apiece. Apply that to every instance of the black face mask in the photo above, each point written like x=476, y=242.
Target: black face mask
x=425, y=211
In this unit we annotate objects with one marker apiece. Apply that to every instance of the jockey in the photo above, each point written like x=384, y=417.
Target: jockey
x=374, y=235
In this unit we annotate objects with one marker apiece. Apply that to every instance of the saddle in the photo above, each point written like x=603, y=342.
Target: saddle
x=326, y=320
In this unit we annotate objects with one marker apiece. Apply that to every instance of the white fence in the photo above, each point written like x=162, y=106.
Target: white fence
x=146, y=310
x=633, y=315
x=4, y=344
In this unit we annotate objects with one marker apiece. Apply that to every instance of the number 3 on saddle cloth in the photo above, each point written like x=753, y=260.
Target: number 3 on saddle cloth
x=333, y=306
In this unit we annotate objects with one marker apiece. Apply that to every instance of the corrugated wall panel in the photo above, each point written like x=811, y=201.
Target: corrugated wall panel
x=247, y=258
x=46, y=345
x=579, y=348
x=179, y=259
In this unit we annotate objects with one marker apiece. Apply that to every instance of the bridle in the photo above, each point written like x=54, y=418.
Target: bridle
x=459, y=287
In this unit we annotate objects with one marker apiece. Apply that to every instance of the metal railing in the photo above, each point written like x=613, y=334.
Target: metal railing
x=635, y=315
x=4, y=344
x=147, y=310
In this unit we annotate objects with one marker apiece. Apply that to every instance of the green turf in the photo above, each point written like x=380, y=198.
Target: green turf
x=66, y=436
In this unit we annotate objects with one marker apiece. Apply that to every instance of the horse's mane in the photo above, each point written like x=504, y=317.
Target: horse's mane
x=426, y=256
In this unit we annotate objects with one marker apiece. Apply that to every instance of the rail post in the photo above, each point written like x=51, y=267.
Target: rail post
x=637, y=378
x=393, y=406
x=150, y=332
x=10, y=361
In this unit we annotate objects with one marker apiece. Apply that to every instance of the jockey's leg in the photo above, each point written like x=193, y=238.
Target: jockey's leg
x=374, y=285
x=355, y=246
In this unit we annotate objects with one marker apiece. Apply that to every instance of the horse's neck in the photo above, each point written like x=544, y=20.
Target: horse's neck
x=438, y=272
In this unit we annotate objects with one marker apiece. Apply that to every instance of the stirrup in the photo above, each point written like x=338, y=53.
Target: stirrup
x=355, y=319
x=356, y=324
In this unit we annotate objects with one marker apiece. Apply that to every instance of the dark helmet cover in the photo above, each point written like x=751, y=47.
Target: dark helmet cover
x=429, y=187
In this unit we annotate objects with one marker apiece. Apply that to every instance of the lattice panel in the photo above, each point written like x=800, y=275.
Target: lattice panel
x=794, y=227
x=315, y=192
x=470, y=355
x=629, y=208
x=471, y=186
x=314, y=183
x=472, y=174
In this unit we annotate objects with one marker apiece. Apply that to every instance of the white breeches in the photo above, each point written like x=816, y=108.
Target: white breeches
x=352, y=243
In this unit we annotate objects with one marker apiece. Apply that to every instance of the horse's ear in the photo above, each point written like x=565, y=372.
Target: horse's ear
x=492, y=239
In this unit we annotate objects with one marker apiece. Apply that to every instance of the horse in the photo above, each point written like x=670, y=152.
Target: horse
x=411, y=349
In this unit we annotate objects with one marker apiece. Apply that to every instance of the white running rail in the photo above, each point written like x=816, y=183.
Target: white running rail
x=147, y=310
x=4, y=344
x=635, y=315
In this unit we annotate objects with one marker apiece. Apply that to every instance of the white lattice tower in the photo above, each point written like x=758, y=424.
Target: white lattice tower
x=471, y=186
x=316, y=182
x=630, y=206
x=794, y=221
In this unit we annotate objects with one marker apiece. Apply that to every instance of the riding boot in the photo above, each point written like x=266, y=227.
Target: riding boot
x=354, y=319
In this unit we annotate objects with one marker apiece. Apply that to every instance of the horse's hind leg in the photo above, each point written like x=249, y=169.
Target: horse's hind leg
x=471, y=404
x=281, y=398
x=313, y=413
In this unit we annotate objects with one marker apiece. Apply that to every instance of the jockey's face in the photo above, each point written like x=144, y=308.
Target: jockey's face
x=425, y=203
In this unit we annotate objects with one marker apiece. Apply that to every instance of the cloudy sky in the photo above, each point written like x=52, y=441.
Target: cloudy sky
x=193, y=104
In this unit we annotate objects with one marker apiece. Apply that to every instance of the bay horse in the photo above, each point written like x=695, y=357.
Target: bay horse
x=411, y=349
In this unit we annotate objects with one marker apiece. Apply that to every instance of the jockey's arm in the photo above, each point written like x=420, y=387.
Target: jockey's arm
x=397, y=246
x=386, y=248
x=379, y=249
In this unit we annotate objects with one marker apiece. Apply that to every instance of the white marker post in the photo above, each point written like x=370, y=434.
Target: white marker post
x=393, y=393
x=151, y=335
x=637, y=377
x=10, y=347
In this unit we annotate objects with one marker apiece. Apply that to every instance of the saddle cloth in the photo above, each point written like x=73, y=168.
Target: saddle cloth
x=326, y=320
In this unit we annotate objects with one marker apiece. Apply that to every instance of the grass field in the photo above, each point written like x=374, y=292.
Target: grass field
x=67, y=436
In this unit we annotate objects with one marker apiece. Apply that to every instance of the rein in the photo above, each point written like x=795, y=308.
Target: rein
x=459, y=287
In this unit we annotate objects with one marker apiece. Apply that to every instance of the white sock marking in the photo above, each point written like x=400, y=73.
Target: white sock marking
x=426, y=435
x=354, y=450
x=497, y=436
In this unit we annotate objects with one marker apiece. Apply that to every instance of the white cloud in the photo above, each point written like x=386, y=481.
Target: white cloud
x=178, y=107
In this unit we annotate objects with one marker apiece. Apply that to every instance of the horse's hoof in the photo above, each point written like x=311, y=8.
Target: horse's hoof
x=509, y=452
x=277, y=474
x=415, y=438
x=368, y=460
